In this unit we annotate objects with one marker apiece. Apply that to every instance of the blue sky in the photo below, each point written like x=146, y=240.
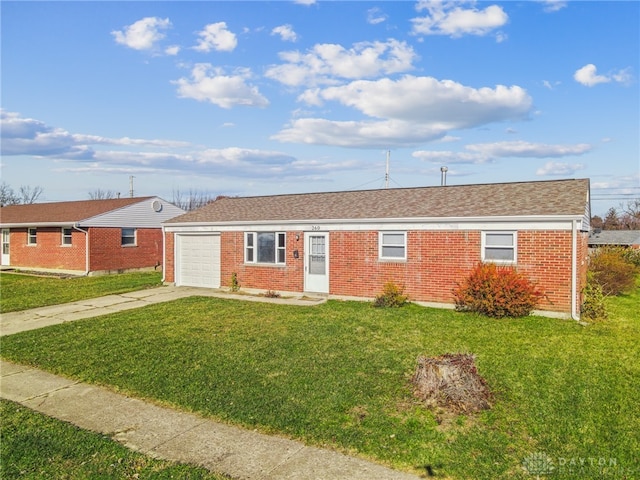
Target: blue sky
x=259, y=98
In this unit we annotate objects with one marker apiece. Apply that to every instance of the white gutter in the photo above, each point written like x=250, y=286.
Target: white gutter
x=574, y=271
x=86, y=247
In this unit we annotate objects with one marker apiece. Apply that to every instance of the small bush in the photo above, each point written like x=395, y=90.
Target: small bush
x=496, y=292
x=234, y=285
x=391, y=296
x=593, y=305
x=612, y=271
x=271, y=294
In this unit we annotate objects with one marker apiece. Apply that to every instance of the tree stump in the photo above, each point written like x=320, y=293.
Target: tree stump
x=451, y=381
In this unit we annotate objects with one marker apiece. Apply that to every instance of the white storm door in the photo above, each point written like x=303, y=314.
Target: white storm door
x=5, y=246
x=198, y=261
x=316, y=263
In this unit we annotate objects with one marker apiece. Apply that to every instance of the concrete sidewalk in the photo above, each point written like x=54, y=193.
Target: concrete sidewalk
x=14, y=322
x=178, y=436
x=163, y=432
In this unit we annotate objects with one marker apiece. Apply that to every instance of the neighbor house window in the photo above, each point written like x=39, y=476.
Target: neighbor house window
x=265, y=247
x=66, y=236
x=499, y=247
x=128, y=236
x=32, y=236
x=392, y=245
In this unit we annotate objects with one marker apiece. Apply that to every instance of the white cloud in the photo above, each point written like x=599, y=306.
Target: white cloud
x=589, y=77
x=488, y=152
x=172, y=50
x=558, y=168
x=210, y=84
x=305, y=2
x=528, y=149
x=449, y=18
x=143, y=34
x=27, y=136
x=553, y=5
x=286, y=33
x=408, y=111
x=325, y=63
x=216, y=36
x=375, y=16
x=448, y=157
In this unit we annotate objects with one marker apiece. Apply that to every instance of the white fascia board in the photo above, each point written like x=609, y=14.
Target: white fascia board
x=40, y=224
x=563, y=222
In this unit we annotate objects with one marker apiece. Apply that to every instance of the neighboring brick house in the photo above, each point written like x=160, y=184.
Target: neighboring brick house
x=85, y=237
x=348, y=244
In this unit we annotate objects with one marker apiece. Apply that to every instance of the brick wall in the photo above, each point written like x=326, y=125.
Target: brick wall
x=289, y=277
x=169, y=259
x=108, y=253
x=436, y=261
x=48, y=252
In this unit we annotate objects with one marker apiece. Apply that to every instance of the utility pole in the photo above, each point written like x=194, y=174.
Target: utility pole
x=131, y=185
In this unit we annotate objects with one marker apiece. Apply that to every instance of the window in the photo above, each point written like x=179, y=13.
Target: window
x=499, y=247
x=393, y=245
x=265, y=247
x=32, y=236
x=66, y=236
x=128, y=236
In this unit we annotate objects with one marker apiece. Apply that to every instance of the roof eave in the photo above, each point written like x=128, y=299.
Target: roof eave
x=493, y=219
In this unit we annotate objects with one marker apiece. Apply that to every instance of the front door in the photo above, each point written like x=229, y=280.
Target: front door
x=5, y=246
x=316, y=263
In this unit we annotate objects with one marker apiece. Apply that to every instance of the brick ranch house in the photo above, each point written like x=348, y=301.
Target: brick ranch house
x=85, y=237
x=349, y=244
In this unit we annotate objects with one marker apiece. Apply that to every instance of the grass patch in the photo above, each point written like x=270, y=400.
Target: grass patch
x=21, y=292
x=338, y=375
x=36, y=446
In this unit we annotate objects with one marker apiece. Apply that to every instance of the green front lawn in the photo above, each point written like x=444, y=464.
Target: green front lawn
x=21, y=292
x=35, y=446
x=337, y=374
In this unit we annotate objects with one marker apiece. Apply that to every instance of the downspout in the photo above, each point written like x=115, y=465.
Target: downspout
x=86, y=247
x=164, y=254
x=574, y=271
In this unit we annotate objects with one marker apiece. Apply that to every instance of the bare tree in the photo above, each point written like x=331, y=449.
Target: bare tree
x=26, y=195
x=7, y=195
x=192, y=200
x=99, y=194
x=630, y=217
x=29, y=194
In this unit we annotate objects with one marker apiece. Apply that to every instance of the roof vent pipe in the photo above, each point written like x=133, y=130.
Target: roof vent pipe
x=443, y=176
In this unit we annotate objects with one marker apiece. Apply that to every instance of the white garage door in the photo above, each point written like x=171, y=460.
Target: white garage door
x=198, y=260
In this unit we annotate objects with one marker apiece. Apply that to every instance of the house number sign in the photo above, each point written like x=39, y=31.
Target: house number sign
x=315, y=228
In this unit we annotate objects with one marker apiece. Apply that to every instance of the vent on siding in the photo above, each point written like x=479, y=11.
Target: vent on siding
x=156, y=205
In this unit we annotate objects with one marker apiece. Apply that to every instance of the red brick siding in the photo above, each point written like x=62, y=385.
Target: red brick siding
x=169, y=247
x=436, y=261
x=48, y=252
x=107, y=252
x=289, y=277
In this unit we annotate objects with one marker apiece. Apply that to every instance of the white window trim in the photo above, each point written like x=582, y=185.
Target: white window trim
x=514, y=247
x=35, y=236
x=70, y=236
x=381, y=244
x=135, y=237
x=254, y=248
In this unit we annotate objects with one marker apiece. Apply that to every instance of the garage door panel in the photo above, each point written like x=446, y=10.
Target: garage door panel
x=199, y=260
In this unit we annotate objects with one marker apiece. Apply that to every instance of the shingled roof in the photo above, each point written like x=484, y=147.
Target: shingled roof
x=614, y=237
x=62, y=212
x=544, y=198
